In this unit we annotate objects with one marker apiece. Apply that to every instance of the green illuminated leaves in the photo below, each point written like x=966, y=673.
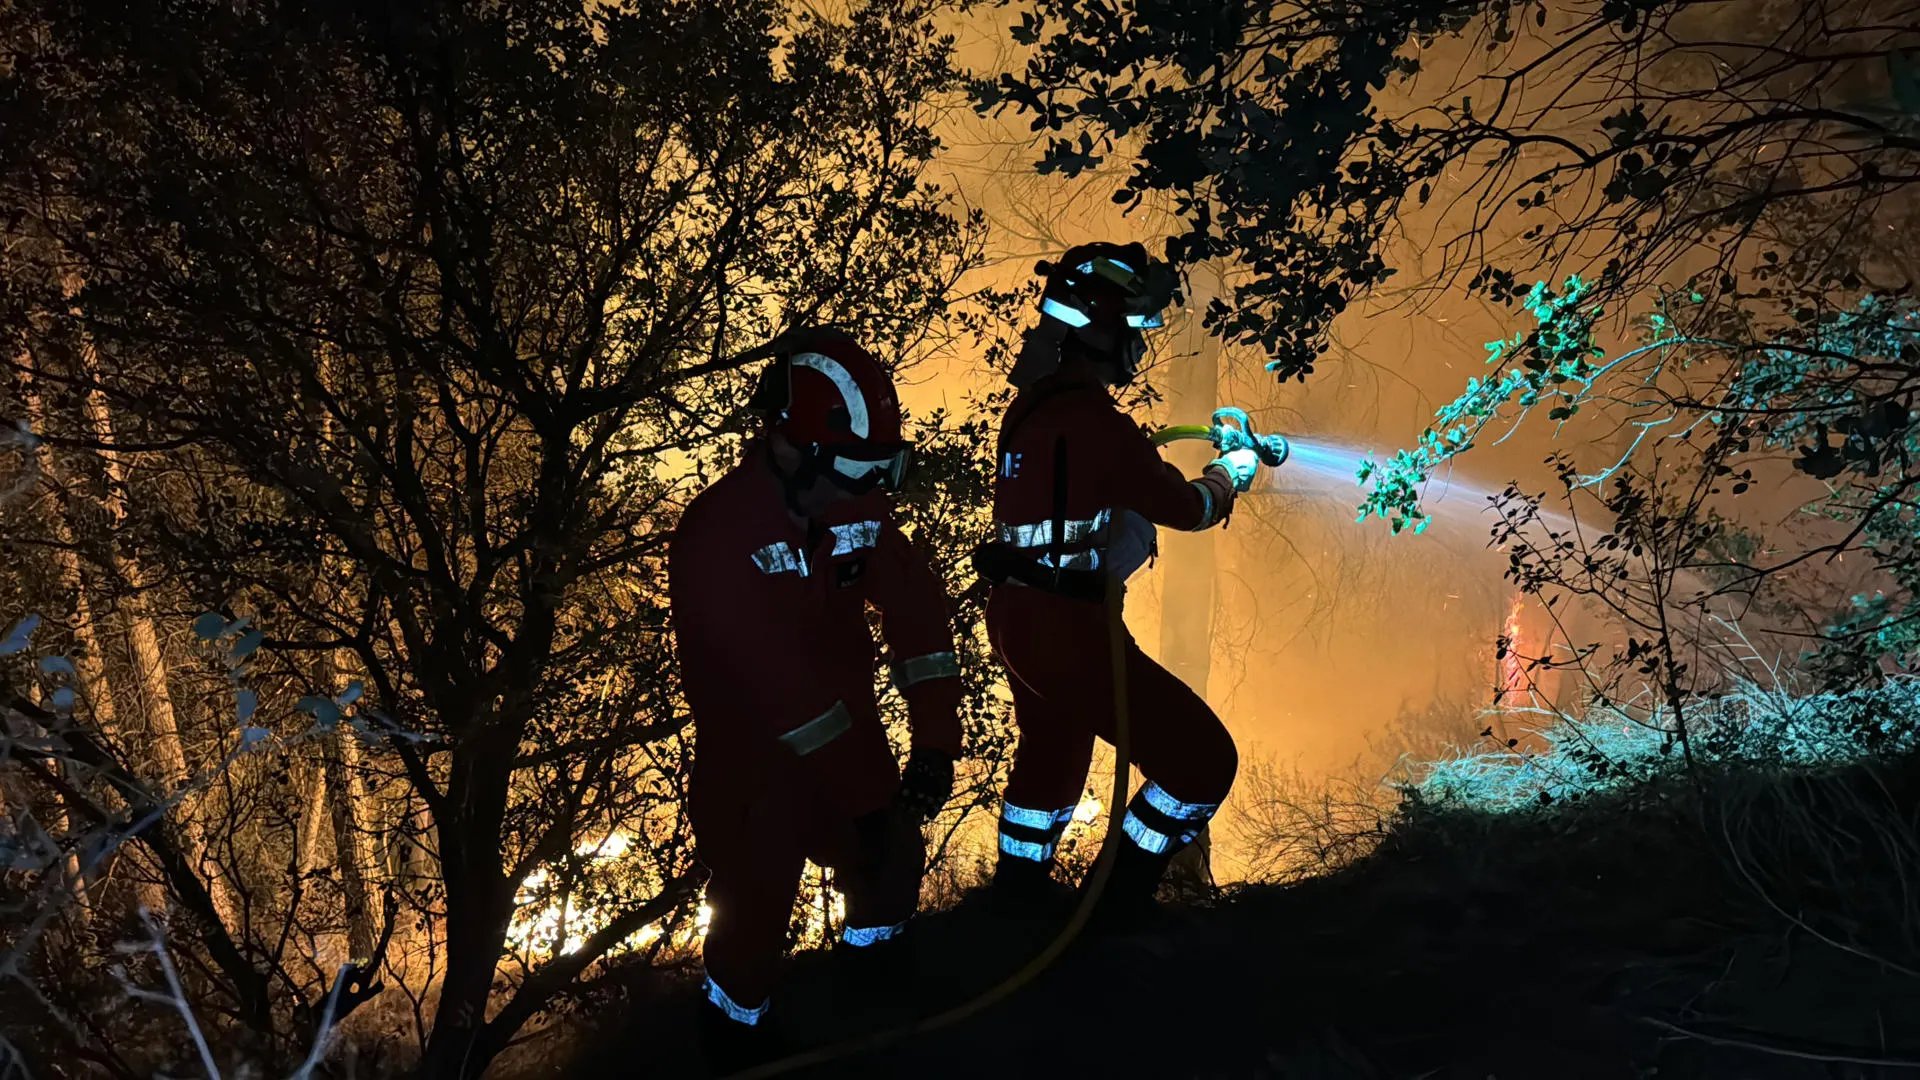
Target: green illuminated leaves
x=1551, y=361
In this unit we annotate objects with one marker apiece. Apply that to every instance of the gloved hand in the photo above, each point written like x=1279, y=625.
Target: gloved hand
x=927, y=783
x=1240, y=464
x=1217, y=482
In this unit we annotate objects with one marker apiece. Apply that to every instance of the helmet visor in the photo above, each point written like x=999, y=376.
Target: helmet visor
x=859, y=469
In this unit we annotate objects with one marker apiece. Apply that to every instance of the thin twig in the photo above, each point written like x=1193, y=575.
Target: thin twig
x=323, y=1035
x=1766, y=898
x=1749, y=1043
x=176, y=995
x=13, y=1064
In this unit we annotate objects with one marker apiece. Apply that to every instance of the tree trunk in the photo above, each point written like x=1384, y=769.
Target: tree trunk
x=479, y=897
x=58, y=825
x=150, y=664
x=345, y=788
x=346, y=797
x=94, y=685
x=1187, y=582
x=422, y=865
x=476, y=924
x=348, y=841
x=313, y=806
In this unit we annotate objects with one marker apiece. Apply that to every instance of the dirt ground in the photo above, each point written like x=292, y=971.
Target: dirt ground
x=1598, y=941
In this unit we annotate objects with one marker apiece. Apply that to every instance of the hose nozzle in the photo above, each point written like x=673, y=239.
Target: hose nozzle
x=1233, y=431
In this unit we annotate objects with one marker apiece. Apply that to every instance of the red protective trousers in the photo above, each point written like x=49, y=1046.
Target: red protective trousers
x=1068, y=454
x=1057, y=658
x=777, y=663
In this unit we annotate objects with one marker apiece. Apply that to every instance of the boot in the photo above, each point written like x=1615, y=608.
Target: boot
x=731, y=1046
x=881, y=982
x=1127, y=903
x=885, y=966
x=1022, y=887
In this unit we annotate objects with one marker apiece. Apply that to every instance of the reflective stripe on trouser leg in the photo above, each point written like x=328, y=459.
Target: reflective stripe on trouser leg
x=732, y=1008
x=862, y=936
x=1159, y=823
x=1032, y=834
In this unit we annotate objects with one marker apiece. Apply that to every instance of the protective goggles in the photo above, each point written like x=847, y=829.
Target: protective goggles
x=859, y=469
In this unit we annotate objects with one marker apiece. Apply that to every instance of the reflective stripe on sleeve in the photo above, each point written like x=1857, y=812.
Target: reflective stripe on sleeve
x=820, y=730
x=918, y=669
x=1206, y=512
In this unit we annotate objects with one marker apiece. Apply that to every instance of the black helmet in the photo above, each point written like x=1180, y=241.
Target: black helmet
x=1103, y=296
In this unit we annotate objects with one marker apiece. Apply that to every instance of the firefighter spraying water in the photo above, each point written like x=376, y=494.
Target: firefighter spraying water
x=1079, y=493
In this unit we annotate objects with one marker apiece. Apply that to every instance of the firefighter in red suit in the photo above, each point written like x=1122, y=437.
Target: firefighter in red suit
x=1079, y=493
x=771, y=572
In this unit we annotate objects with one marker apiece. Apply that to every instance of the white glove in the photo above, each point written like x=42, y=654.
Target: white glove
x=1241, y=465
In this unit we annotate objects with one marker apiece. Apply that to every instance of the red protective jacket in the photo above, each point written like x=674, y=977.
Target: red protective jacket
x=773, y=640
x=1111, y=467
x=1055, y=647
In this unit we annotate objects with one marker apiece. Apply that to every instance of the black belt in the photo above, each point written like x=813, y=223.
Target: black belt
x=1000, y=562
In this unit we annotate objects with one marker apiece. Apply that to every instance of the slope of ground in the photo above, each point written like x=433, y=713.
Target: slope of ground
x=1763, y=924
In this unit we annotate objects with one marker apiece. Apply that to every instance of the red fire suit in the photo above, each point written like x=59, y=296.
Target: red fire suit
x=1055, y=648
x=777, y=663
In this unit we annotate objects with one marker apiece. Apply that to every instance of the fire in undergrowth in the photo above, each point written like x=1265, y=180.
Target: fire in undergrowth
x=554, y=918
x=1511, y=682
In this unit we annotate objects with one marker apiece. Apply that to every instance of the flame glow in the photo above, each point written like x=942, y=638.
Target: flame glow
x=545, y=924
x=1513, y=674
x=540, y=917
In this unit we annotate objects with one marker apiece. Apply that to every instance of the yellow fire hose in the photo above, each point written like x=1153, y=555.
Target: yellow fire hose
x=1182, y=431
x=1102, y=870
x=1231, y=430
